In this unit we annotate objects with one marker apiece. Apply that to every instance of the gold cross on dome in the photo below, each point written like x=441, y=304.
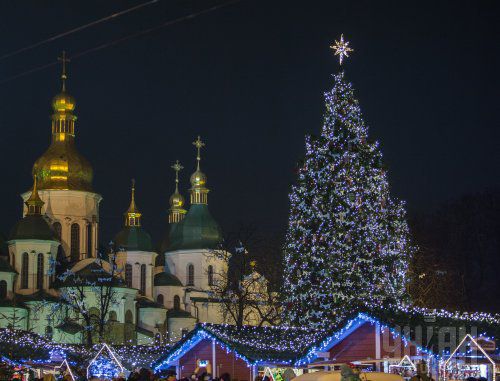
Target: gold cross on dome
x=63, y=60
x=177, y=167
x=199, y=145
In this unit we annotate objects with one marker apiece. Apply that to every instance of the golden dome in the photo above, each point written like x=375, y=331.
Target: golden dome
x=62, y=166
x=198, y=179
x=176, y=201
x=63, y=102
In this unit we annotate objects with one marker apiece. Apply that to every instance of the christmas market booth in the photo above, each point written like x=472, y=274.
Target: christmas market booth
x=473, y=357
x=369, y=344
x=395, y=340
x=241, y=352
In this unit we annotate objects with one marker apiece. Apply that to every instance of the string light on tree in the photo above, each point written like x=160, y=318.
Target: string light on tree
x=341, y=48
x=347, y=241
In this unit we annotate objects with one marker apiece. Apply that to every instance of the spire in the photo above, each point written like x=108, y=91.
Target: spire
x=132, y=215
x=62, y=166
x=63, y=60
x=198, y=178
x=34, y=202
x=176, y=211
x=199, y=145
x=63, y=120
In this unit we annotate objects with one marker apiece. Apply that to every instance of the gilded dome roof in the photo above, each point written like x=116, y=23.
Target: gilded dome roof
x=62, y=166
x=176, y=200
x=198, y=179
x=63, y=102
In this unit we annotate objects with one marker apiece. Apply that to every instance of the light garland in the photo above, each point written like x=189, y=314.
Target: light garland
x=281, y=344
x=65, y=362
x=467, y=337
x=103, y=369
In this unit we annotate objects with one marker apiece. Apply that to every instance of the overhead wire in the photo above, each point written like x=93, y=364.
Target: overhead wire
x=123, y=39
x=77, y=29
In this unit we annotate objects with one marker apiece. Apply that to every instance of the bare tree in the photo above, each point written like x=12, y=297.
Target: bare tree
x=91, y=295
x=243, y=293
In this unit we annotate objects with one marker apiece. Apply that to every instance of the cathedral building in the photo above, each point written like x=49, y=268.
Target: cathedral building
x=51, y=273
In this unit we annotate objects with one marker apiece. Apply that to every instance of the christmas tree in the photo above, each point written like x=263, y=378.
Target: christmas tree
x=347, y=242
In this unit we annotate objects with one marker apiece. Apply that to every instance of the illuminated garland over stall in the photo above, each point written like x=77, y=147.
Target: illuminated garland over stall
x=254, y=345
x=105, y=364
x=289, y=346
x=30, y=347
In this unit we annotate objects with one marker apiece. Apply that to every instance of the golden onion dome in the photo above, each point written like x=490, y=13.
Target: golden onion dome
x=176, y=201
x=62, y=166
x=63, y=102
x=198, y=179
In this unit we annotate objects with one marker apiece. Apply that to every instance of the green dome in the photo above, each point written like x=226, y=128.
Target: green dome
x=166, y=279
x=133, y=238
x=198, y=230
x=33, y=226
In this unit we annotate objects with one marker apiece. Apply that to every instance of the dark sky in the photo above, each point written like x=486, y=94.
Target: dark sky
x=249, y=79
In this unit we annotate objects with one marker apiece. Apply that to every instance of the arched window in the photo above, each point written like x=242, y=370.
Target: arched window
x=210, y=275
x=89, y=241
x=48, y=332
x=143, y=279
x=3, y=289
x=159, y=299
x=24, y=270
x=128, y=275
x=113, y=316
x=58, y=229
x=39, y=271
x=190, y=275
x=177, y=302
x=129, y=317
x=75, y=242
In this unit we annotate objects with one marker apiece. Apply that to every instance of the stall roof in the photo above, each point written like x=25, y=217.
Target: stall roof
x=255, y=345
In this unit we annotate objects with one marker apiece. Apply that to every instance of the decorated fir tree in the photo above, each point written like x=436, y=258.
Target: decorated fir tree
x=347, y=242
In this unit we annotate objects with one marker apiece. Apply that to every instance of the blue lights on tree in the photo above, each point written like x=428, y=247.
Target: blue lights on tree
x=347, y=240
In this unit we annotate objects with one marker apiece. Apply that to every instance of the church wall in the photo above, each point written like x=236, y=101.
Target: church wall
x=9, y=280
x=176, y=327
x=32, y=247
x=207, y=312
x=178, y=262
x=151, y=318
x=169, y=292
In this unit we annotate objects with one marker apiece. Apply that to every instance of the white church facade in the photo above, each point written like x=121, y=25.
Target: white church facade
x=158, y=294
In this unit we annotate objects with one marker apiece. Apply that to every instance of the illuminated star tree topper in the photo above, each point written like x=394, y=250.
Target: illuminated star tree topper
x=341, y=48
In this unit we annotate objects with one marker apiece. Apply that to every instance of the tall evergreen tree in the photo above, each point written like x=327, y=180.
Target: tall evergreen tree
x=347, y=241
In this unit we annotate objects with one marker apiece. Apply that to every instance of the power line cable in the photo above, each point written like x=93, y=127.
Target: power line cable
x=146, y=31
x=77, y=29
x=123, y=39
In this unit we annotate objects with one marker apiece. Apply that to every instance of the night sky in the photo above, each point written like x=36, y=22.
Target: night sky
x=249, y=79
